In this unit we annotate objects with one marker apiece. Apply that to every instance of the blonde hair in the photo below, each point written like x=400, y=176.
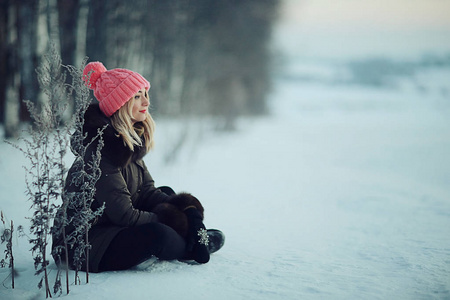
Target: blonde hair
x=133, y=134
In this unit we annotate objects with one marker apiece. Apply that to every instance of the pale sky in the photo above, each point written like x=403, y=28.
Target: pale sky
x=355, y=27
x=383, y=14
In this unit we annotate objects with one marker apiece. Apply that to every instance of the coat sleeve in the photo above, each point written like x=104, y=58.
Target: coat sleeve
x=149, y=196
x=113, y=192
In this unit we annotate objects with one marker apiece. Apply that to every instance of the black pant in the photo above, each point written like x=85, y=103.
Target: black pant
x=134, y=245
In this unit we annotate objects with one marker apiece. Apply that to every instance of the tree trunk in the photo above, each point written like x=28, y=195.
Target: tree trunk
x=12, y=106
x=97, y=31
x=3, y=54
x=68, y=12
x=81, y=32
x=26, y=27
x=42, y=42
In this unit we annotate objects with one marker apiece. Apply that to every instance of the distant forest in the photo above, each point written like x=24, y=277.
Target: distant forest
x=202, y=57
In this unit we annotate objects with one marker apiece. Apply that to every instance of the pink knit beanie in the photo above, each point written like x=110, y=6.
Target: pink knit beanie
x=113, y=88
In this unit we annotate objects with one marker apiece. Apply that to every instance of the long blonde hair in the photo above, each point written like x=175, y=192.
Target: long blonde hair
x=133, y=134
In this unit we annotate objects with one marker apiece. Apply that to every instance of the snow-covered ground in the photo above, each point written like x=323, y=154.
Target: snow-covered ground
x=340, y=193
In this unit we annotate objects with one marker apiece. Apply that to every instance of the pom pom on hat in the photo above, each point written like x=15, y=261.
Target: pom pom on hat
x=112, y=88
x=95, y=69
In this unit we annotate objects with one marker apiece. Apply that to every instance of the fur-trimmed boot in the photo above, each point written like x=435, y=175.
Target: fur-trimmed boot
x=197, y=237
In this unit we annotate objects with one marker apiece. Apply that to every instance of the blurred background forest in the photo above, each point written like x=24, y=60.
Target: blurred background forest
x=202, y=57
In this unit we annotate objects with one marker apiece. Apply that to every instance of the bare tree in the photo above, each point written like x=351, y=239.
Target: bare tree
x=12, y=106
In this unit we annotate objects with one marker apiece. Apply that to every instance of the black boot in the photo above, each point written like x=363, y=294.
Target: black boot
x=197, y=240
x=216, y=240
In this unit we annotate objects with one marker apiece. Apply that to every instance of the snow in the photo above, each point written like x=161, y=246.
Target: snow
x=341, y=198
x=341, y=192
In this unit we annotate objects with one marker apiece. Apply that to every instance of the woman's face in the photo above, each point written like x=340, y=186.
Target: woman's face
x=140, y=106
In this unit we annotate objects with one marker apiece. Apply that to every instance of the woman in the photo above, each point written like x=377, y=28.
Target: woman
x=138, y=220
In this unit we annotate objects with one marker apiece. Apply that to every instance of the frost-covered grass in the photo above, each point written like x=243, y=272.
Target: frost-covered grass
x=341, y=193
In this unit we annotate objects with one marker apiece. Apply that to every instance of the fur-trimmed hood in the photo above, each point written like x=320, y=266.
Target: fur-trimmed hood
x=114, y=149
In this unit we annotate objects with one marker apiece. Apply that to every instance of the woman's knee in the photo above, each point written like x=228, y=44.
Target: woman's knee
x=170, y=244
x=171, y=216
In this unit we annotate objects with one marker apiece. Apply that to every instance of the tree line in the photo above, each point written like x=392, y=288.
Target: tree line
x=202, y=57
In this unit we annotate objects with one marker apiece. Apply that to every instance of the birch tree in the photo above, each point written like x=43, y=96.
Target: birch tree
x=12, y=106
